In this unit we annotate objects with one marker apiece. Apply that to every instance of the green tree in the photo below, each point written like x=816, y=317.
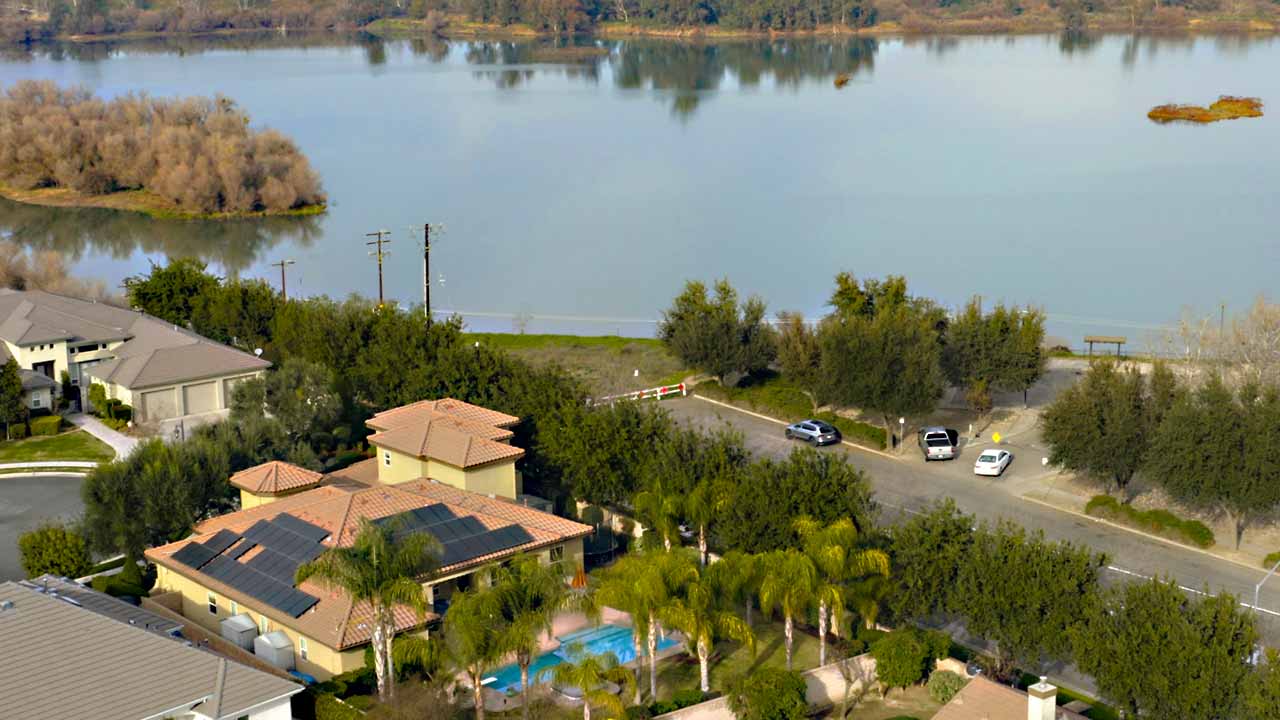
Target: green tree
x=1099, y=426
x=788, y=582
x=530, y=595
x=905, y=656
x=97, y=397
x=799, y=350
x=55, y=549
x=1024, y=593
x=1262, y=689
x=473, y=637
x=1155, y=652
x=660, y=508
x=642, y=585
x=170, y=292
x=591, y=674
x=834, y=552
x=237, y=312
x=698, y=613
x=11, y=397
x=889, y=364
x=716, y=335
x=927, y=552
x=384, y=567
x=1000, y=350
x=300, y=395
x=768, y=694
x=1212, y=453
x=605, y=452
x=737, y=575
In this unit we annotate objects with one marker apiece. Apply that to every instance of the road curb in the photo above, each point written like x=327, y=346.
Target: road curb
x=776, y=421
x=1147, y=535
x=42, y=474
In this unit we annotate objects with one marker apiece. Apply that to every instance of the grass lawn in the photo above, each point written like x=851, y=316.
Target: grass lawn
x=74, y=445
x=914, y=702
x=606, y=364
x=681, y=672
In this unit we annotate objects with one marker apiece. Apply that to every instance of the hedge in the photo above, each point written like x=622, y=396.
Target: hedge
x=1271, y=560
x=944, y=684
x=681, y=700
x=1158, y=522
x=17, y=431
x=329, y=707
x=783, y=400
x=46, y=425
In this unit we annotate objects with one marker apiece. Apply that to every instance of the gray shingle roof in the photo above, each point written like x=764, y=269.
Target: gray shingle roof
x=103, y=604
x=32, y=379
x=155, y=353
x=63, y=661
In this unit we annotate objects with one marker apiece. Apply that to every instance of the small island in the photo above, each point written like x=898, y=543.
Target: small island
x=183, y=158
x=1226, y=108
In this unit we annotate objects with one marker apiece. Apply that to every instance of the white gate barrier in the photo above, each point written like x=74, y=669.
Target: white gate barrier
x=656, y=393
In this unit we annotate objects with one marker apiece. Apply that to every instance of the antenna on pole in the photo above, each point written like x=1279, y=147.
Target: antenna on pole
x=379, y=253
x=282, y=264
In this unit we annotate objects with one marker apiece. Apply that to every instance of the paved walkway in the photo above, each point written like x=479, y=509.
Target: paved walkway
x=121, y=443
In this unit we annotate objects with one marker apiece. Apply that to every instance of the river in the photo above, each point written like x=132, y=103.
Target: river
x=578, y=196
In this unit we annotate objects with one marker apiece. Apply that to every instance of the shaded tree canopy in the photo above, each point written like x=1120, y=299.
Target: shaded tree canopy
x=199, y=153
x=715, y=335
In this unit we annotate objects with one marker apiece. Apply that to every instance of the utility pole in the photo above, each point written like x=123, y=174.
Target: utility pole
x=379, y=252
x=284, y=289
x=426, y=270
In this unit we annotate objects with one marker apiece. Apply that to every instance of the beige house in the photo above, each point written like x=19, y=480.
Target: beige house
x=162, y=371
x=983, y=699
x=243, y=563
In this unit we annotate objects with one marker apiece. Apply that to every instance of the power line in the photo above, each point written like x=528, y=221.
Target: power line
x=379, y=253
x=282, y=264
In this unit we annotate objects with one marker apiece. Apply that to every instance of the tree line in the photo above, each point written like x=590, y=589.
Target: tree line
x=879, y=349
x=1207, y=445
x=199, y=153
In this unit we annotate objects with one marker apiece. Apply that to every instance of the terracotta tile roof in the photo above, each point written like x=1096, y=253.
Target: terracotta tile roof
x=275, y=477
x=444, y=441
x=335, y=620
x=424, y=409
x=983, y=699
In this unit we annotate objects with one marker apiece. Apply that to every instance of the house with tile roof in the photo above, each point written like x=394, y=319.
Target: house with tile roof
x=244, y=563
x=162, y=371
x=982, y=699
x=63, y=659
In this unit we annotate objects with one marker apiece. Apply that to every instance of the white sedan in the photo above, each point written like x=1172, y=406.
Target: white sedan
x=992, y=462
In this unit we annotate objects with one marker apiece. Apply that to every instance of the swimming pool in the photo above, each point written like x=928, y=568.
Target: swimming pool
x=594, y=641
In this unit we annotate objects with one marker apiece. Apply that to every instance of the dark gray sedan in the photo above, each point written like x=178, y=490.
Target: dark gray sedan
x=813, y=431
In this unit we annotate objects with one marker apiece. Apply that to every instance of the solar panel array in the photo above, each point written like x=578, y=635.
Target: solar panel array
x=463, y=538
x=284, y=543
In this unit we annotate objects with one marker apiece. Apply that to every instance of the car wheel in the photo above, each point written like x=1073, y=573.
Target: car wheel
x=788, y=434
x=813, y=441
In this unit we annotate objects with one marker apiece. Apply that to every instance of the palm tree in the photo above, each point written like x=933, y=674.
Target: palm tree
x=660, y=509
x=473, y=637
x=707, y=500
x=530, y=595
x=384, y=568
x=641, y=584
x=698, y=613
x=737, y=575
x=788, y=582
x=591, y=674
x=833, y=550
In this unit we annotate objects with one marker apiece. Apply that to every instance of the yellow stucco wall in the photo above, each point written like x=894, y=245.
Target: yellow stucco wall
x=322, y=662
x=498, y=479
x=396, y=467
x=249, y=500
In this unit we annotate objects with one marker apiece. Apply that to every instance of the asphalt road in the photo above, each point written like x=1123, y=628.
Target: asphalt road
x=907, y=485
x=24, y=503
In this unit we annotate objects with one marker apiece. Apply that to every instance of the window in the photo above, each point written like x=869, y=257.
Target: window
x=557, y=553
x=302, y=647
x=235, y=609
x=386, y=458
x=213, y=604
x=35, y=400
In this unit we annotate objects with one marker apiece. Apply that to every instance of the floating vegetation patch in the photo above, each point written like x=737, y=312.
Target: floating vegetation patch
x=841, y=80
x=1226, y=108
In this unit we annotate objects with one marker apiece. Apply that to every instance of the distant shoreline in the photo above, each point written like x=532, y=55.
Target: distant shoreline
x=139, y=201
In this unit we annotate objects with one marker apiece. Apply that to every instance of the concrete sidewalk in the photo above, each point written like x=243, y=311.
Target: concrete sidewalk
x=121, y=443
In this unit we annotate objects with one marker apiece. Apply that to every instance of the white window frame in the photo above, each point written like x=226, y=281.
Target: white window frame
x=35, y=400
x=386, y=458
x=302, y=647
x=213, y=603
x=557, y=550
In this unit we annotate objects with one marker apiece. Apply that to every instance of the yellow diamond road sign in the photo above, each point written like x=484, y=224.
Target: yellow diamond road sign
x=996, y=437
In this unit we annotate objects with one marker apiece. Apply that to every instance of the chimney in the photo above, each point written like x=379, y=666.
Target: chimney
x=1042, y=701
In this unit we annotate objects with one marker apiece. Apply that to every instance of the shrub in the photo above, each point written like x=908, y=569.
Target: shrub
x=685, y=698
x=109, y=407
x=639, y=712
x=768, y=694
x=17, y=431
x=46, y=425
x=329, y=707
x=784, y=399
x=123, y=413
x=97, y=397
x=55, y=549
x=904, y=656
x=1271, y=560
x=944, y=684
x=1158, y=522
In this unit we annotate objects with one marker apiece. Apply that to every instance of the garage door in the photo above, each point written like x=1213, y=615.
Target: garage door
x=200, y=398
x=159, y=405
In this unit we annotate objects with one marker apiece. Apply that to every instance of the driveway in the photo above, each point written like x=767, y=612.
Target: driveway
x=121, y=443
x=27, y=501
x=908, y=485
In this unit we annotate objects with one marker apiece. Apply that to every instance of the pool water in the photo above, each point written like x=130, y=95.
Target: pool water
x=594, y=641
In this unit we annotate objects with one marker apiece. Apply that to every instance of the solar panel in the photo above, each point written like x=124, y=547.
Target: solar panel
x=275, y=565
x=297, y=526
x=260, y=586
x=220, y=541
x=194, y=555
x=485, y=543
x=241, y=549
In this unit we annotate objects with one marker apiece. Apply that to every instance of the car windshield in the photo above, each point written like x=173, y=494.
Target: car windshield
x=987, y=458
x=938, y=442
x=823, y=427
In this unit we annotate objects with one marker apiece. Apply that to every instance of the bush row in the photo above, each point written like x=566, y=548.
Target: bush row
x=785, y=400
x=1159, y=522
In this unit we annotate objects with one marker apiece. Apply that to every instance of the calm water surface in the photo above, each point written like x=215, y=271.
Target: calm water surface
x=583, y=194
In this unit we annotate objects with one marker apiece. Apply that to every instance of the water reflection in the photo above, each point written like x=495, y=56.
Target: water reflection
x=74, y=232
